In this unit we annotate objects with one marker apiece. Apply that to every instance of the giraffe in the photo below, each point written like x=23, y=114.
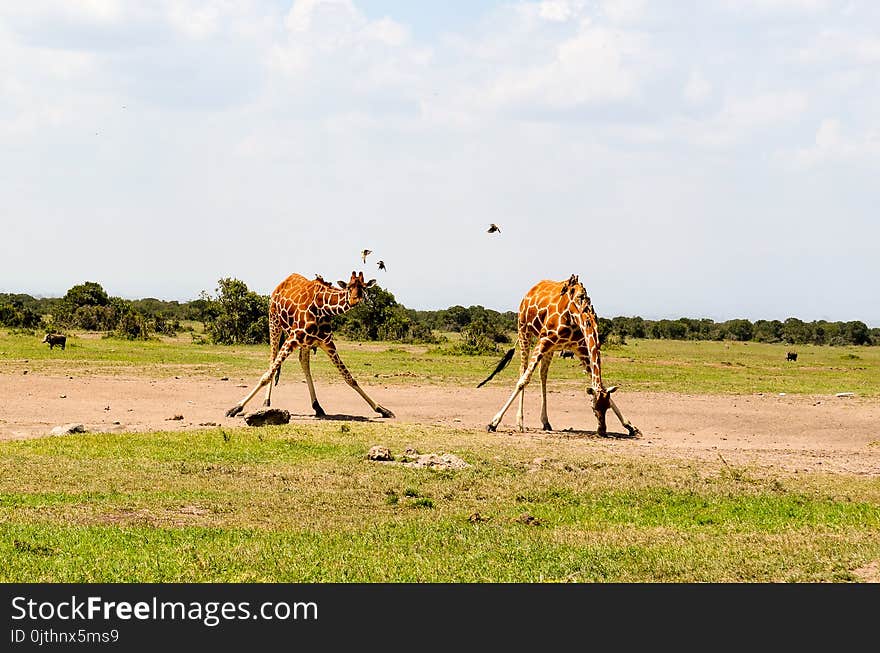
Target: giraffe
x=299, y=318
x=559, y=315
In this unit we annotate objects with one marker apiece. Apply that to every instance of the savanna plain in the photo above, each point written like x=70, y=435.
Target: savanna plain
x=749, y=468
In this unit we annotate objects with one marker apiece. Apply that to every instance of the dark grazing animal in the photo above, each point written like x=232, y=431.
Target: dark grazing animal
x=55, y=339
x=791, y=356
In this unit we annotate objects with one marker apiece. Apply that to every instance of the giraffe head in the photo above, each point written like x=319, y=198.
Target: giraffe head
x=601, y=403
x=356, y=287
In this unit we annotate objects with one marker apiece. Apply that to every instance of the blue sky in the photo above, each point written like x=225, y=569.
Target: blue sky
x=709, y=159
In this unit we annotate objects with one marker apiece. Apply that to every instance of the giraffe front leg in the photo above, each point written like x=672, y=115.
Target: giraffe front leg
x=266, y=378
x=634, y=432
x=304, y=354
x=537, y=354
x=330, y=349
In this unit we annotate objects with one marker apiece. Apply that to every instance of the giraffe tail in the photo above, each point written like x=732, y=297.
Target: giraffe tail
x=501, y=366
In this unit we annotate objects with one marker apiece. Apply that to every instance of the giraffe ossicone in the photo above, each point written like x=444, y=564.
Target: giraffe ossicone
x=300, y=310
x=558, y=315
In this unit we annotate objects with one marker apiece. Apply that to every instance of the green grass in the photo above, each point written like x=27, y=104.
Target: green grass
x=648, y=365
x=302, y=504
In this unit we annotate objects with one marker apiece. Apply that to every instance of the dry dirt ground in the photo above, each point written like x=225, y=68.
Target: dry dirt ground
x=791, y=433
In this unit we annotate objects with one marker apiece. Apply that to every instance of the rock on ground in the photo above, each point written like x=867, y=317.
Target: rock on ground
x=379, y=452
x=67, y=429
x=267, y=416
x=435, y=461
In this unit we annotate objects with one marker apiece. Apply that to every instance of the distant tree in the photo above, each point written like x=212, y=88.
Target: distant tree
x=89, y=293
x=380, y=317
x=129, y=323
x=856, y=333
x=237, y=315
x=741, y=330
x=767, y=331
x=794, y=331
x=15, y=315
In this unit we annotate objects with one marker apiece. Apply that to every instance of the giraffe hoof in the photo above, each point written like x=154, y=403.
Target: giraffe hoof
x=490, y=428
x=384, y=412
x=319, y=412
x=634, y=432
x=547, y=427
x=235, y=410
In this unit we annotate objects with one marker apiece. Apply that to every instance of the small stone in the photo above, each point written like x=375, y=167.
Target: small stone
x=62, y=396
x=528, y=520
x=25, y=372
x=379, y=452
x=67, y=429
x=175, y=417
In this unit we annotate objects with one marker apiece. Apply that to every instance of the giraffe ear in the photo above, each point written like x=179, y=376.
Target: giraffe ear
x=370, y=283
x=612, y=389
x=342, y=284
x=590, y=390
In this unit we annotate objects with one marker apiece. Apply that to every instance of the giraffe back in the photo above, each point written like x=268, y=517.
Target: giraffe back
x=551, y=309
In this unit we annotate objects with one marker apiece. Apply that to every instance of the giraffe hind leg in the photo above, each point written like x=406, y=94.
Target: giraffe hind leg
x=537, y=355
x=304, y=354
x=524, y=352
x=266, y=378
x=276, y=339
x=545, y=367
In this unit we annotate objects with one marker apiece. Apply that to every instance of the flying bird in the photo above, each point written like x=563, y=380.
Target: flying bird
x=365, y=254
x=381, y=265
x=493, y=228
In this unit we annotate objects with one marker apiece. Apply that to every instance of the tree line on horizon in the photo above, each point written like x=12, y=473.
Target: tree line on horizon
x=237, y=315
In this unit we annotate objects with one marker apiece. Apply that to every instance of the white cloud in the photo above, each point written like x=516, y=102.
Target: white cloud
x=623, y=11
x=304, y=13
x=831, y=45
x=740, y=117
x=765, y=109
x=831, y=144
x=559, y=10
x=106, y=11
x=587, y=69
x=697, y=89
x=777, y=6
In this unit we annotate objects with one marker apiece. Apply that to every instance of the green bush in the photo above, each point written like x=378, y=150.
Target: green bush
x=237, y=315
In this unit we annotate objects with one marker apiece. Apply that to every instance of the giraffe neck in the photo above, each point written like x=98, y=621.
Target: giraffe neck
x=332, y=302
x=595, y=365
x=591, y=330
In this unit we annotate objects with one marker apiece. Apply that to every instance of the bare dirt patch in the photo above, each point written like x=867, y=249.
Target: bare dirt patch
x=796, y=433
